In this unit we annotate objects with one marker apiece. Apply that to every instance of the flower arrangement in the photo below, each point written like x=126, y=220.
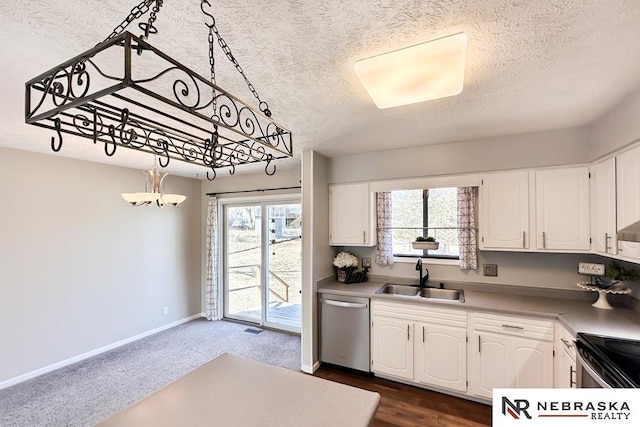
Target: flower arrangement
x=345, y=260
x=344, y=264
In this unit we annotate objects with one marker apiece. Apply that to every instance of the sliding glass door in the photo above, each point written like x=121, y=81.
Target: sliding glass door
x=263, y=263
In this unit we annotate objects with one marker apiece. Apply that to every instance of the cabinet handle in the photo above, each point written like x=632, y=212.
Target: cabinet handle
x=571, y=376
x=479, y=347
x=423, y=334
x=364, y=236
x=512, y=327
x=565, y=342
x=606, y=242
x=544, y=240
x=407, y=332
x=523, y=239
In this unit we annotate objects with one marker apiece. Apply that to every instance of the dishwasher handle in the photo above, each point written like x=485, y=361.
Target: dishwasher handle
x=345, y=304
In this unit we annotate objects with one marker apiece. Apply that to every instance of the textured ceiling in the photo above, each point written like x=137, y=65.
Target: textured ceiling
x=531, y=65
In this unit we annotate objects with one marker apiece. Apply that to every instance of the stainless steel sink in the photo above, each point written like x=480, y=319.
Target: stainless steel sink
x=448, y=294
x=391, y=289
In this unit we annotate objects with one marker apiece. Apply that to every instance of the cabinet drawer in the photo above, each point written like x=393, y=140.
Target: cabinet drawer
x=420, y=313
x=513, y=325
x=565, y=341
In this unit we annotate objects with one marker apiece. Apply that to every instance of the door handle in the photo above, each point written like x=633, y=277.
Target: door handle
x=565, y=342
x=544, y=240
x=571, y=376
x=345, y=304
x=606, y=242
x=364, y=236
x=423, y=334
x=524, y=239
x=512, y=326
x=407, y=332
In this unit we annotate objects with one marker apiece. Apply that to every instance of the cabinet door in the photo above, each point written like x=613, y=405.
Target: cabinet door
x=564, y=372
x=628, y=198
x=392, y=347
x=490, y=364
x=562, y=209
x=531, y=363
x=441, y=356
x=503, y=361
x=603, y=207
x=351, y=215
x=504, y=202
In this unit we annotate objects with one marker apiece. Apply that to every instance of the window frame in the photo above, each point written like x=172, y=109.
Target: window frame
x=425, y=228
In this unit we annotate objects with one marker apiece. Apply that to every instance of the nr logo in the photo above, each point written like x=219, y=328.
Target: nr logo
x=516, y=409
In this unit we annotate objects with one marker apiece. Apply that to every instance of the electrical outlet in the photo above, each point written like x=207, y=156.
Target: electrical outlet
x=366, y=262
x=165, y=311
x=490, y=269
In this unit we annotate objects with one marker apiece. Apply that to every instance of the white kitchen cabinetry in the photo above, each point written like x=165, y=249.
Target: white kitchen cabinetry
x=564, y=369
x=352, y=215
x=392, y=347
x=423, y=344
x=562, y=209
x=603, y=207
x=440, y=356
x=509, y=352
x=628, y=198
x=504, y=219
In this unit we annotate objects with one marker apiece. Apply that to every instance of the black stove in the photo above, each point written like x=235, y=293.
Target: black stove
x=615, y=360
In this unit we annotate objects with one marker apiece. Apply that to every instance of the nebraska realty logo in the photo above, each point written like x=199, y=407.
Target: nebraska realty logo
x=573, y=407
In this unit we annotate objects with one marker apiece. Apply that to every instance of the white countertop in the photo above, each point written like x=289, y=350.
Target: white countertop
x=577, y=315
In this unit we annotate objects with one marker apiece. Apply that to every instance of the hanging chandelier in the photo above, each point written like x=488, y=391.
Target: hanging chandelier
x=153, y=191
x=126, y=93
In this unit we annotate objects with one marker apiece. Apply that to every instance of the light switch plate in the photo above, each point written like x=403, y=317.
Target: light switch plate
x=490, y=269
x=591, y=269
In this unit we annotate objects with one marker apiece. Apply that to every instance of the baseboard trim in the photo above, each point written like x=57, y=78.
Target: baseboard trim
x=310, y=369
x=83, y=356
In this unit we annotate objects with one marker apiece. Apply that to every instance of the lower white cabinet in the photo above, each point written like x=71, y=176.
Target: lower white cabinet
x=440, y=356
x=509, y=352
x=423, y=344
x=564, y=368
x=392, y=347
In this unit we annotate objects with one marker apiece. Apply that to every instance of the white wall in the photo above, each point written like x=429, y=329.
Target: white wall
x=79, y=268
x=548, y=148
x=317, y=254
x=618, y=127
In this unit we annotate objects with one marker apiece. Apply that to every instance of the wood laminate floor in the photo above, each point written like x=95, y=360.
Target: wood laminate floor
x=406, y=406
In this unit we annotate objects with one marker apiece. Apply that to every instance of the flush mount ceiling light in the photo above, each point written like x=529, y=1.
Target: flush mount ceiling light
x=153, y=191
x=430, y=70
x=126, y=93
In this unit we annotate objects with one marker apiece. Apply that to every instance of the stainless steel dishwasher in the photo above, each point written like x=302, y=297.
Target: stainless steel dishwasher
x=345, y=331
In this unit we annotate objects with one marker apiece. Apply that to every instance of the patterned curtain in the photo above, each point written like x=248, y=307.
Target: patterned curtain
x=467, y=213
x=384, y=252
x=212, y=286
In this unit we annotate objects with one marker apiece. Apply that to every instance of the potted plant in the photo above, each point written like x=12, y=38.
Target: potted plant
x=425, y=243
x=619, y=274
x=344, y=263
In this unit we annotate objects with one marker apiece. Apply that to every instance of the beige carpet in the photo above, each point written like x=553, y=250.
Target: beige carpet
x=87, y=392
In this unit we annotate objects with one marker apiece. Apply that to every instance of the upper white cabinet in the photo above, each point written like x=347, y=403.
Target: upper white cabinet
x=603, y=207
x=562, y=209
x=628, y=198
x=504, y=219
x=352, y=215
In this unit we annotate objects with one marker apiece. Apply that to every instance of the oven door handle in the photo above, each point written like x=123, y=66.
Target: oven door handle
x=592, y=373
